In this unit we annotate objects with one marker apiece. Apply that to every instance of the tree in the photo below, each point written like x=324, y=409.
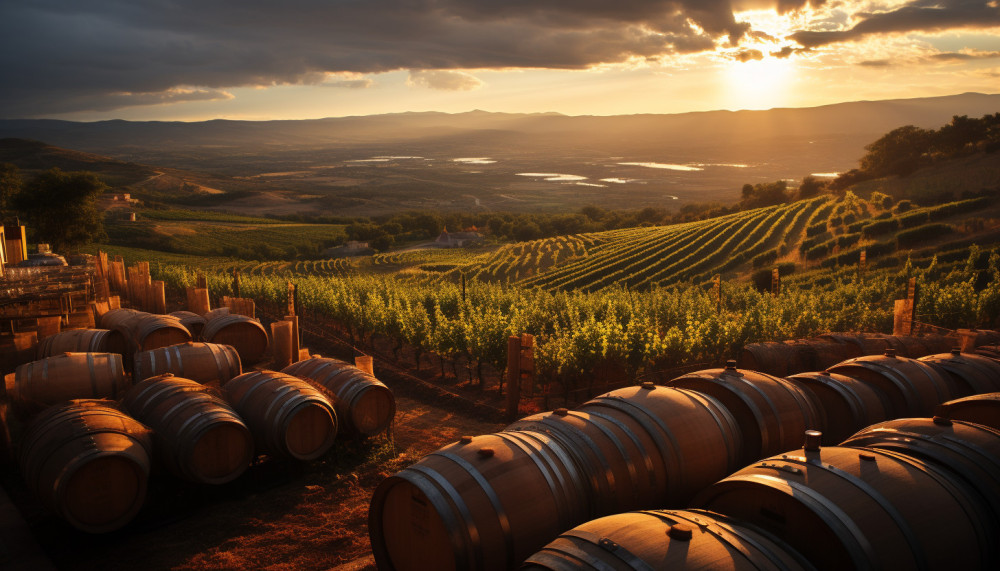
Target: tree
x=10, y=185
x=764, y=194
x=61, y=208
x=810, y=187
x=899, y=152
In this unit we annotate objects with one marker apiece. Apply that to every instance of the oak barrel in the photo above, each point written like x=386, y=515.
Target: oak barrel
x=202, y=362
x=645, y=447
x=88, y=463
x=364, y=405
x=115, y=317
x=485, y=503
x=199, y=436
x=981, y=409
x=666, y=539
x=970, y=451
x=74, y=341
x=850, y=508
x=245, y=334
x=194, y=322
x=973, y=374
x=66, y=377
x=286, y=415
x=772, y=413
x=845, y=406
x=911, y=387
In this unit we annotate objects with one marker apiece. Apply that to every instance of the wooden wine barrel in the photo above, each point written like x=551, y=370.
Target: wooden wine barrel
x=199, y=436
x=88, y=463
x=66, y=377
x=245, y=334
x=774, y=358
x=364, y=405
x=981, y=409
x=666, y=539
x=643, y=447
x=202, y=362
x=970, y=451
x=772, y=413
x=194, y=322
x=155, y=331
x=972, y=374
x=911, y=387
x=116, y=317
x=846, y=405
x=850, y=508
x=74, y=341
x=485, y=503
x=286, y=415
x=119, y=337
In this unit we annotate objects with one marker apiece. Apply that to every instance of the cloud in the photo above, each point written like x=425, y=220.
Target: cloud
x=747, y=55
x=444, y=80
x=876, y=63
x=920, y=15
x=64, y=55
x=963, y=56
x=59, y=56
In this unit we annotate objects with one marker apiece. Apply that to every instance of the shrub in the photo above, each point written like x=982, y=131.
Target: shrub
x=848, y=240
x=880, y=227
x=914, y=219
x=816, y=229
x=904, y=206
x=818, y=251
x=765, y=259
x=908, y=238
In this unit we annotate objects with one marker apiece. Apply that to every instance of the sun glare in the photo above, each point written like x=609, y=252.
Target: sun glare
x=758, y=74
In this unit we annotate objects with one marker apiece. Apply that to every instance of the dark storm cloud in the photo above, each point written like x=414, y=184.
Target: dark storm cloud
x=922, y=15
x=61, y=56
x=68, y=55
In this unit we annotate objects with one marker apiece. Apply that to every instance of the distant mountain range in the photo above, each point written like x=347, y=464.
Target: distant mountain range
x=366, y=165
x=631, y=133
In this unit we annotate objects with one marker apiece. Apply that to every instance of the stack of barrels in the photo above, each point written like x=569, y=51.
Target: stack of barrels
x=865, y=491
x=104, y=409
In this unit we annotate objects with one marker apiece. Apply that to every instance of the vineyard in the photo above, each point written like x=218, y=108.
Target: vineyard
x=640, y=298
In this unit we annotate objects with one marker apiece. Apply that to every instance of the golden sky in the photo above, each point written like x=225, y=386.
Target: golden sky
x=297, y=59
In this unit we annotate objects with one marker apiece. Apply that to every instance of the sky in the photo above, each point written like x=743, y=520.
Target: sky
x=190, y=60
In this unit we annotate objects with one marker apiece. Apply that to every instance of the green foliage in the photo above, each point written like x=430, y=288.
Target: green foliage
x=913, y=236
x=765, y=259
x=61, y=208
x=879, y=227
x=914, y=219
x=880, y=200
x=816, y=229
x=764, y=194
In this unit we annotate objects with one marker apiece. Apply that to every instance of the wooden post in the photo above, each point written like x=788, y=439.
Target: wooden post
x=296, y=339
x=201, y=281
x=902, y=317
x=463, y=288
x=197, y=300
x=967, y=340
x=527, y=363
x=364, y=362
x=862, y=265
x=281, y=335
x=159, y=297
x=236, y=283
x=513, y=376
x=775, y=282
